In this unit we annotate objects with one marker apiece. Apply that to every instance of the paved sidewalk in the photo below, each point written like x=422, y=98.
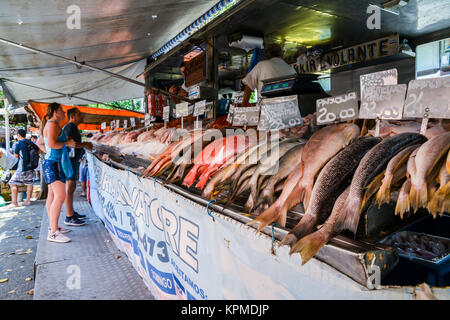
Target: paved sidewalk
x=88, y=267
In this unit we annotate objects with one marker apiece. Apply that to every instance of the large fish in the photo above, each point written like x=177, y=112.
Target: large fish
x=289, y=161
x=335, y=173
x=384, y=192
x=402, y=206
x=311, y=244
x=440, y=202
x=265, y=168
x=427, y=157
x=372, y=164
x=321, y=147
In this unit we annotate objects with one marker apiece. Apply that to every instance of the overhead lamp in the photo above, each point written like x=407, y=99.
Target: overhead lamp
x=154, y=16
x=394, y=4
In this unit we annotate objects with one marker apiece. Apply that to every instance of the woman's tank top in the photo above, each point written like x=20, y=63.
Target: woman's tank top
x=54, y=154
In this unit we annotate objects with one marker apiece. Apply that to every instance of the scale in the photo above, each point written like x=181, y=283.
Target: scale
x=304, y=86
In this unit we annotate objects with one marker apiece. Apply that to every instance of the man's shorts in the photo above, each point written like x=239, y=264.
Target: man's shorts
x=76, y=170
x=22, y=177
x=53, y=171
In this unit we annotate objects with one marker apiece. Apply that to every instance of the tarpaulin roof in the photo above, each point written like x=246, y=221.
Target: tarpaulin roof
x=115, y=35
x=93, y=117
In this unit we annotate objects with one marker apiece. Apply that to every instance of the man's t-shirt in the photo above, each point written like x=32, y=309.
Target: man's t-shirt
x=20, y=149
x=71, y=130
x=267, y=69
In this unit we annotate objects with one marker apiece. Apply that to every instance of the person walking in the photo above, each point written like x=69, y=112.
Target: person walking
x=54, y=140
x=24, y=173
x=74, y=218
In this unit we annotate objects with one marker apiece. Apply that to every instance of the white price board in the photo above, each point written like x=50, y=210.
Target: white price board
x=125, y=123
x=431, y=94
x=230, y=114
x=133, y=122
x=182, y=109
x=166, y=113
x=103, y=125
x=336, y=109
x=117, y=123
x=246, y=116
x=147, y=119
x=112, y=125
x=200, y=108
x=381, y=78
x=383, y=102
x=282, y=112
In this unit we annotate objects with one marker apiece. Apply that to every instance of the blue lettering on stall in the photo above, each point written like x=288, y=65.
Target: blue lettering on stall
x=109, y=226
x=124, y=235
x=163, y=280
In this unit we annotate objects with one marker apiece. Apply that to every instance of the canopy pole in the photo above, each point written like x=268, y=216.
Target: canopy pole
x=68, y=95
x=7, y=135
x=82, y=64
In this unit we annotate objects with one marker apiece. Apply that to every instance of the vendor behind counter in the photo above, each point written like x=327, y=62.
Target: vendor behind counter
x=272, y=67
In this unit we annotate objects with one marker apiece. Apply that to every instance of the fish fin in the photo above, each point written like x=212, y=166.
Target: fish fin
x=373, y=186
x=289, y=240
x=351, y=214
x=402, y=206
x=438, y=202
x=311, y=244
x=418, y=196
x=384, y=193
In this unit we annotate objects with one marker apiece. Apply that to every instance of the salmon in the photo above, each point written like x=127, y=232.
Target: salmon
x=383, y=194
x=335, y=173
x=321, y=147
x=372, y=164
x=426, y=159
x=311, y=244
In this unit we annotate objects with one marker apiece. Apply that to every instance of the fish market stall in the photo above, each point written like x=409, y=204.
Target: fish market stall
x=317, y=190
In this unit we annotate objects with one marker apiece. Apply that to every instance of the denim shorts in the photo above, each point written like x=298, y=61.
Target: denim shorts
x=53, y=171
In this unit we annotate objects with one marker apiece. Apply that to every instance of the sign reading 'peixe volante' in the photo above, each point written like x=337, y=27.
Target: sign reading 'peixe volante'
x=383, y=47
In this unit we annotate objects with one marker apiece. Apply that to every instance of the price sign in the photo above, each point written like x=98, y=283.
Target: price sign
x=133, y=122
x=238, y=97
x=125, y=123
x=263, y=125
x=103, y=125
x=166, y=113
x=246, y=116
x=335, y=109
x=230, y=113
x=383, y=102
x=117, y=124
x=147, y=119
x=182, y=109
x=381, y=78
x=282, y=112
x=199, y=108
x=112, y=125
x=428, y=94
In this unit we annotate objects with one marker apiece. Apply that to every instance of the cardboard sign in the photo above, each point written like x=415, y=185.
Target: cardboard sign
x=125, y=123
x=428, y=94
x=282, y=112
x=147, y=119
x=133, y=122
x=103, y=125
x=383, y=102
x=166, y=113
x=117, y=123
x=199, y=108
x=336, y=109
x=182, y=109
x=381, y=78
x=246, y=116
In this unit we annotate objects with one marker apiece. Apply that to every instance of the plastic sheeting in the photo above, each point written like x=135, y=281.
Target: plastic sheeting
x=116, y=35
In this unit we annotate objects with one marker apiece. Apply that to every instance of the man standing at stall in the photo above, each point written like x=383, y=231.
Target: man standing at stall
x=272, y=67
x=180, y=91
x=73, y=218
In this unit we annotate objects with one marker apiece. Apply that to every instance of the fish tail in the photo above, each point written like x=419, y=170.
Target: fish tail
x=289, y=240
x=267, y=217
x=350, y=213
x=439, y=200
x=384, y=193
x=403, y=204
x=204, y=179
x=311, y=244
x=266, y=196
x=418, y=196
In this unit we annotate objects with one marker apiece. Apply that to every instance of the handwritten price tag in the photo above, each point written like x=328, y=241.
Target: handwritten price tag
x=103, y=125
x=182, y=109
x=125, y=123
x=133, y=122
x=282, y=112
x=246, y=116
x=166, y=113
x=383, y=102
x=117, y=123
x=336, y=109
x=199, y=108
x=433, y=93
x=381, y=78
x=112, y=125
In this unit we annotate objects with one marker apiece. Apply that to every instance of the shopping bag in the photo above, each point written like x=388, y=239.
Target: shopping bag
x=65, y=163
